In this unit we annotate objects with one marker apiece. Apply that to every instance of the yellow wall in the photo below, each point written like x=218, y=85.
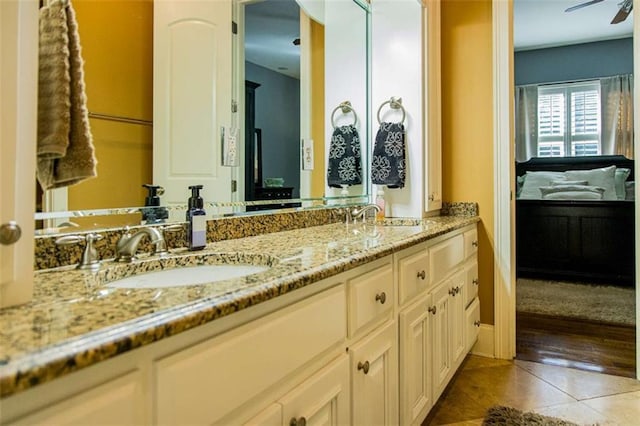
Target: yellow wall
x=117, y=46
x=467, y=123
x=317, y=108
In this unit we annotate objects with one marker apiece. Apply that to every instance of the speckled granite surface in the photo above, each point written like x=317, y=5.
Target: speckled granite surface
x=50, y=255
x=75, y=321
x=459, y=209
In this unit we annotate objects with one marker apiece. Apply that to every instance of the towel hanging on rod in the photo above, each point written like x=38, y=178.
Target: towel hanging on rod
x=65, y=145
x=388, y=163
x=344, y=165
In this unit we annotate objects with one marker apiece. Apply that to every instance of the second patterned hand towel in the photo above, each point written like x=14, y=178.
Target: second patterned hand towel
x=388, y=165
x=344, y=157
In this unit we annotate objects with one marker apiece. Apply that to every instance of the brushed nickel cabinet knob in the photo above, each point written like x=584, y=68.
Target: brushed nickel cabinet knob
x=422, y=274
x=364, y=367
x=432, y=309
x=10, y=233
x=381, y=297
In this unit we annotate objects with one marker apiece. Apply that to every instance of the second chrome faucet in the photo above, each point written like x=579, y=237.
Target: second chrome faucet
x=359, y=212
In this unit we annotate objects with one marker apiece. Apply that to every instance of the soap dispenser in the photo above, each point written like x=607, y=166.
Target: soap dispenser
x=196, y=220
x=152, y=212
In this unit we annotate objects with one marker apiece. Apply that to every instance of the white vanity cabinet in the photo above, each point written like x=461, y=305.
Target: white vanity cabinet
x=373, y=345
x=435, y=317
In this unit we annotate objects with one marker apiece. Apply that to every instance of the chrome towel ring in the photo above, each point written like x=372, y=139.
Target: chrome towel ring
x=394, y=103
x=346, y=109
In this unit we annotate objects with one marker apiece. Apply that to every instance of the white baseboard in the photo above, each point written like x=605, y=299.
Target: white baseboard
x=485, y=345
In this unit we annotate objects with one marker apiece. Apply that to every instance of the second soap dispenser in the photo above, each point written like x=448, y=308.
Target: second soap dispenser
x=196, y=220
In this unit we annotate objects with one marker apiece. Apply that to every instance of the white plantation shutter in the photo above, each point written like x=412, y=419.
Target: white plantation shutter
x=569, y=119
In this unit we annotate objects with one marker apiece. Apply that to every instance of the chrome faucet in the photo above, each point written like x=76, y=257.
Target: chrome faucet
x=356, y=213
x=127, y=245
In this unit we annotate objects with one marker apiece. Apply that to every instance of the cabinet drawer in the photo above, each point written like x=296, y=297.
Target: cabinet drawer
x=472, y=283
x=470, y=242
x=201, y=384
x=472, y=322
x=370, y=298
x=118, y=401
x=413, y=275
x=444, y=257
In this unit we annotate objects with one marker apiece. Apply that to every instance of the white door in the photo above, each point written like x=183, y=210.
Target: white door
x=322, y=400
x=191, y=97
x=441, y=337
x=415, y=361
x=458, y=342
x=374, y=372
x=18, y=108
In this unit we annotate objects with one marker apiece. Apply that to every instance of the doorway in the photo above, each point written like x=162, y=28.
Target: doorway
x=505, y=236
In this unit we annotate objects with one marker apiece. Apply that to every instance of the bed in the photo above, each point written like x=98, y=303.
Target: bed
x=582, y=239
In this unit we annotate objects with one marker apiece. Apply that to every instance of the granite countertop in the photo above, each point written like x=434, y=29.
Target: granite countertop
x=75, y=321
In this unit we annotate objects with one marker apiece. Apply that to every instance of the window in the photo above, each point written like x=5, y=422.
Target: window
x=569, y=120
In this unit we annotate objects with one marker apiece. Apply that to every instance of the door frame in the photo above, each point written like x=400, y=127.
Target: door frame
x=504, y=205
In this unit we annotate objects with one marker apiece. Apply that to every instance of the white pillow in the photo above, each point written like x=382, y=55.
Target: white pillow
x=547, y=190
x=620, y=178
x=629, y=189
x=573, y=195
x=534, y=180
x=604, y=178
x=569, y=182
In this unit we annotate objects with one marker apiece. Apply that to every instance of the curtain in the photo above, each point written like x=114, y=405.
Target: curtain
x=616, y=97
x=526, y=122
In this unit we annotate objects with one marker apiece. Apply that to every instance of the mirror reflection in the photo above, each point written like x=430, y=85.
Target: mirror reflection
x=122, y=105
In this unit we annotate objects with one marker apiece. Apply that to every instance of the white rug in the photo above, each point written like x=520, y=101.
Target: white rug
x=601, y=303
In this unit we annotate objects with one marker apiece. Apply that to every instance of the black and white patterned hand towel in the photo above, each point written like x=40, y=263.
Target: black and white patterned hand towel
x=344, y=157
x=388, y=165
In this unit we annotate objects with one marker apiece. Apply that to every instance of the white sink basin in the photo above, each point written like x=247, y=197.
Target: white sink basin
x=187, y=275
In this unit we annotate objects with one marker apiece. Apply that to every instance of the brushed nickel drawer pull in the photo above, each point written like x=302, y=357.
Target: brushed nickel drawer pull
x=475, y=281
x=364, y=367
x=474, y=243
x=381, y=297
x=432, y=309
x=302, y=421
x=452, y=291
x=422, y=274
x=476, y=323
x=457, y=289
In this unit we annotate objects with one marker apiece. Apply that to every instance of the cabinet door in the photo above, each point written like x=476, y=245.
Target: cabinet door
x=457, y=325
x=18, y=109
x=472, y=323
x=118, y=402
x=441, y=337
x=374, y=371
x=415, y=361
x=323, y=399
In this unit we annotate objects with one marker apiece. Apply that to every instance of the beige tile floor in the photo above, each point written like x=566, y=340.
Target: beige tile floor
x=582, y=397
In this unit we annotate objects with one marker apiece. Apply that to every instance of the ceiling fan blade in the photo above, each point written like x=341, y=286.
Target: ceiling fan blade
x=624, y=11
x=581, y=5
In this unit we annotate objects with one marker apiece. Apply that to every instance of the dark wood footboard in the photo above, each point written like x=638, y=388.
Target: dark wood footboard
x=590, y=241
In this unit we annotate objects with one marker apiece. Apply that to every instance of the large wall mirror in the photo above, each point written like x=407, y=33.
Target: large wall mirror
x=282, y=96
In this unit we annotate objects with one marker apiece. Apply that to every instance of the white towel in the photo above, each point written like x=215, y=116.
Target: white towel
x=65, y=144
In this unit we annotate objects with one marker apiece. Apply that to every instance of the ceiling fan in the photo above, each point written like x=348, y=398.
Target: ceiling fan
x=625, y=9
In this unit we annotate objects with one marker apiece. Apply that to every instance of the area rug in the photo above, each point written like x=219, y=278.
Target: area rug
x=500, y=415
x=600, y=303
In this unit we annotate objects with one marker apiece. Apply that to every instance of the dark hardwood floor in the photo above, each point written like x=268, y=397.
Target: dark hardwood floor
x=584, y=345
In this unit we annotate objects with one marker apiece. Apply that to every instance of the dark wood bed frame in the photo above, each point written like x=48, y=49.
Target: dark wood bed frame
x=577, y=240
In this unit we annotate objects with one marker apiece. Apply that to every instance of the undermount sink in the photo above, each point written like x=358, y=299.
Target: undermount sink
x=191, y=275
x=189, y=270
